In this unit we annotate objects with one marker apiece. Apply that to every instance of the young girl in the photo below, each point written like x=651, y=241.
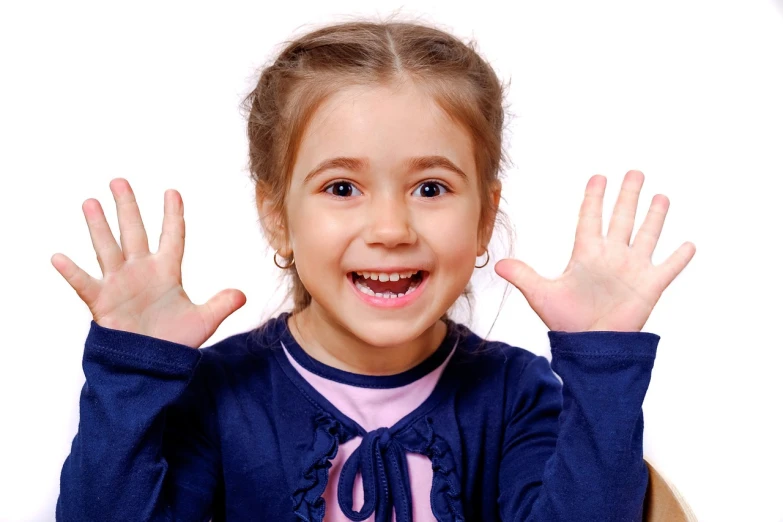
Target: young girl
x=375, y=149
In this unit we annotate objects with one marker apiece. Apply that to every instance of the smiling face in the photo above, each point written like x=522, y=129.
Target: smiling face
x=385, y=183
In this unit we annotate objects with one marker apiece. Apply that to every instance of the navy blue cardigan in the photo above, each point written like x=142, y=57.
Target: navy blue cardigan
x=232, y=431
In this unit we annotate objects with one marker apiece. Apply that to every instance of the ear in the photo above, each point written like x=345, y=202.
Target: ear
x=273, y=223
x=486, y=234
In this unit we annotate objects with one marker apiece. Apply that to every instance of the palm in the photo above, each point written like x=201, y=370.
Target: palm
x=142, y=292
x=147, y=296
x=608, y=284
x=605, y=282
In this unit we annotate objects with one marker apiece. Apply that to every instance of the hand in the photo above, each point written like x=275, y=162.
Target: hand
x=607, y=285
x=142, y=292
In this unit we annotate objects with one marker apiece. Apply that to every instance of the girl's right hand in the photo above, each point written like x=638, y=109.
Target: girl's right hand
x=142, y=292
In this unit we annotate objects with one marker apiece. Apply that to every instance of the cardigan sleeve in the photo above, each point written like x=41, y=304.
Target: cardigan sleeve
x=573, y=450
x=145, y=447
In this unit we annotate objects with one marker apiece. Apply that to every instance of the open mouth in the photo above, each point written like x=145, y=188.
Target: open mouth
x=388, y=286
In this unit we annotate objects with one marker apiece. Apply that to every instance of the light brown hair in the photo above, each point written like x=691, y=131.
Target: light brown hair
x=313, y=66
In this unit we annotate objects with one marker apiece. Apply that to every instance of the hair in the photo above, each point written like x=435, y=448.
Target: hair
x=315, y=65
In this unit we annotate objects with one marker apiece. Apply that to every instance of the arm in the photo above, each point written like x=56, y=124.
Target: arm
x=582, y=462
x=146, y=448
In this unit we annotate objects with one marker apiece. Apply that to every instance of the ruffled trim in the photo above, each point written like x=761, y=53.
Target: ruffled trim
x=309, y=504
x=446, y=493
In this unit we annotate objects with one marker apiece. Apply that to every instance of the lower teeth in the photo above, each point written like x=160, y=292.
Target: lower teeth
x=363, y=288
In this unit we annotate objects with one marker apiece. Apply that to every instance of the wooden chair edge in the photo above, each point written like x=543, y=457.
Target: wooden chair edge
x=662, y=502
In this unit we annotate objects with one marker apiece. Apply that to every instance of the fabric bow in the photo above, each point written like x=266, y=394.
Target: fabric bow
x=384, y=472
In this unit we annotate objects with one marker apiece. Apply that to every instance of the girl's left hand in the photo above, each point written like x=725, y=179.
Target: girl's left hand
x=607, y=285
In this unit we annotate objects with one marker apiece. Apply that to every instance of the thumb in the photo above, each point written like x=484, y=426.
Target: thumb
x=220, y=306
x=521, y=275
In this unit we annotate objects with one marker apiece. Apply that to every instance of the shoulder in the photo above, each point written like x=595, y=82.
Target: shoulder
x=477, y=351
x=252, y=349
x=485, y=362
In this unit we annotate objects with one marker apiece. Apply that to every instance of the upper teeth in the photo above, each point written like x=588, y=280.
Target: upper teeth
x=383, y=277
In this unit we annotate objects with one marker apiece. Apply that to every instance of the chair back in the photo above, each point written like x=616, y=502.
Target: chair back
x=663, y=503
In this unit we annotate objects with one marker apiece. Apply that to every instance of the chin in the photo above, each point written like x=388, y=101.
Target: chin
x=387, y=332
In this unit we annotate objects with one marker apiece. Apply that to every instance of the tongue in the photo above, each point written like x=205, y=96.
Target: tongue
x=395, y=287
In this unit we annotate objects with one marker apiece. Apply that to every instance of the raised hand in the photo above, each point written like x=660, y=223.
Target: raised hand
x=609, y=284
x=142, y=292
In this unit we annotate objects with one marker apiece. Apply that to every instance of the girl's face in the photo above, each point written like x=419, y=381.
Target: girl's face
x=384, y=185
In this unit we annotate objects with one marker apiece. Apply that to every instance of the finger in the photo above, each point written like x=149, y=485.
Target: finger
x=108, y=251
x=621, y=224
x=172, y=238
x=521, y=275
x=647, y=237
x=590, y=214
x=133, y=237
x=219, y=307
x=86, y=286
x=675, y=264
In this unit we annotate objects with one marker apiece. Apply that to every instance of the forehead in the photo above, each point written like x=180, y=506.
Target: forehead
x=387, y=125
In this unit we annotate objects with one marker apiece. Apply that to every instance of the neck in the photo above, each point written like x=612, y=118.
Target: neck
x=332, y=344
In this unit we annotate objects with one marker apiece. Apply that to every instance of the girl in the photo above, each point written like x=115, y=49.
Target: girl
x=375, y=149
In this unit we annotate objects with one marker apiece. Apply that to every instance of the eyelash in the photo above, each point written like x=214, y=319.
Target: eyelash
x=339, y=181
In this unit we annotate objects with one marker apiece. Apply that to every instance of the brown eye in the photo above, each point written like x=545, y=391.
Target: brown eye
x=431, y=189
x=342, y=189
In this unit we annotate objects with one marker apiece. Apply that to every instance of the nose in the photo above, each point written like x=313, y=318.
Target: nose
x=389, y=222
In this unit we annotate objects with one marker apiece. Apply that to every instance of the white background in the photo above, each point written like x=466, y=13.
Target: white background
x=688, y=92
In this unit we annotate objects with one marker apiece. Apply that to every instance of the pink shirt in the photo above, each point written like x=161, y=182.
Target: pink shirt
x=373, y=408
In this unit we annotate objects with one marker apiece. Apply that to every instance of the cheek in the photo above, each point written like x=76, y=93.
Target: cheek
x=453, y=238
x=319, y=239
x=315, y=229
x=317, y=261
x=454, y=229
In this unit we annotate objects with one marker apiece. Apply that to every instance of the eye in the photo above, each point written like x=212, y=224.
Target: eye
x=342, y=189
x=431, y=189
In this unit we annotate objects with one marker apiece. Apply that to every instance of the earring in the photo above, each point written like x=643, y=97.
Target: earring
x=289, y=265
x=485, y=262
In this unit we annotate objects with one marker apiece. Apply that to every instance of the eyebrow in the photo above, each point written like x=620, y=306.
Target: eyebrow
x=415, y=163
